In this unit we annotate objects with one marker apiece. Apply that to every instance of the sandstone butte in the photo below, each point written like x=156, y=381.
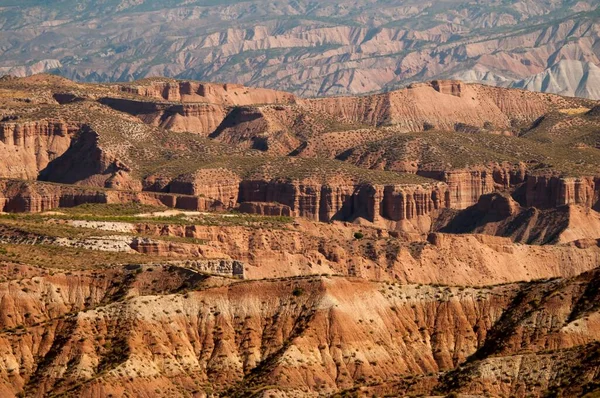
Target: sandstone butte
x=168, y=238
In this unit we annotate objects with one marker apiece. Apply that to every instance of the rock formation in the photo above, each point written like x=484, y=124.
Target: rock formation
x=552, y=191
x=498, y=214
x=221, y=94
x=321, y=331
x=35, y=197
x=27, y=147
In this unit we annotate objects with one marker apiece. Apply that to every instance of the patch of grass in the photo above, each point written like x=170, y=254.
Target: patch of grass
x=110, y=210
x=439, y=150
x=56, y=257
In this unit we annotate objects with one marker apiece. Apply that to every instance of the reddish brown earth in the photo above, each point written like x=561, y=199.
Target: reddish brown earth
x=176, y=238
x=336, y=334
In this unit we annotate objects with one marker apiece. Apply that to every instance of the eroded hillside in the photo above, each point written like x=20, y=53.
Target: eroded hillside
x=176, y=238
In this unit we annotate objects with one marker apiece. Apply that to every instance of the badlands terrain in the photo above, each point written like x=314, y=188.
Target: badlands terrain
x=173, y=238
x=310, y=48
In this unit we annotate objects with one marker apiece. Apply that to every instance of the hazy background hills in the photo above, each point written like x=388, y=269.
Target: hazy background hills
x=309, y=47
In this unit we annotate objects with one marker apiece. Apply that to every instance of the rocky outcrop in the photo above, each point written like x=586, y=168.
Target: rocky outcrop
x=465, y=187
x=262, y=128
x=547, y=191
x=35, y=197
x=215, y=266
x=498, y=214
x=85, y=162
x=451, y=87
x=265, y=209
x=192, y=91
x=221, y=185
x=323, y=202
x=165, y=249
x=197, y=118
x=26, y=148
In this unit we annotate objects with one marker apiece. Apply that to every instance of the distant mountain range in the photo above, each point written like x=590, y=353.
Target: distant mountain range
x=571, y=78
x=306, y=47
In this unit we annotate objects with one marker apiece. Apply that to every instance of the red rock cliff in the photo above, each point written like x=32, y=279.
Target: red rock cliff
x=200, y=118
x=28, y=147
x=226, y=94
x=553, y=191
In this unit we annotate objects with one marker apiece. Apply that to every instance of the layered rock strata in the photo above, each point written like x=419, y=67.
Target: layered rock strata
x=439, y=105
x=26, y=148
x=75, y=334
x=323, y=202
x=191, y=91
x=200, y=118
x=549, y=191
x=34, y=197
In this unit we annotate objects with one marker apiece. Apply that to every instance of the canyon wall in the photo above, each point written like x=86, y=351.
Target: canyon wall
x=60, y=152
x=28, y=147
x=438, y=105
x=552, y=191
x=391, y=206
x=200, y=118
x=34, y=197
x=191, y=91
x=465, y=187
x=325, y=202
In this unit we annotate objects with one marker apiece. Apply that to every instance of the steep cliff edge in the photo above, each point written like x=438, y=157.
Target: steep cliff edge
x=442, y=105
x=321, y=200
x=26, y=148
x=193, y=91
x=498, y=214
x=201, y=118
x=85, y=162
x=547, y=191
x=18, y=196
